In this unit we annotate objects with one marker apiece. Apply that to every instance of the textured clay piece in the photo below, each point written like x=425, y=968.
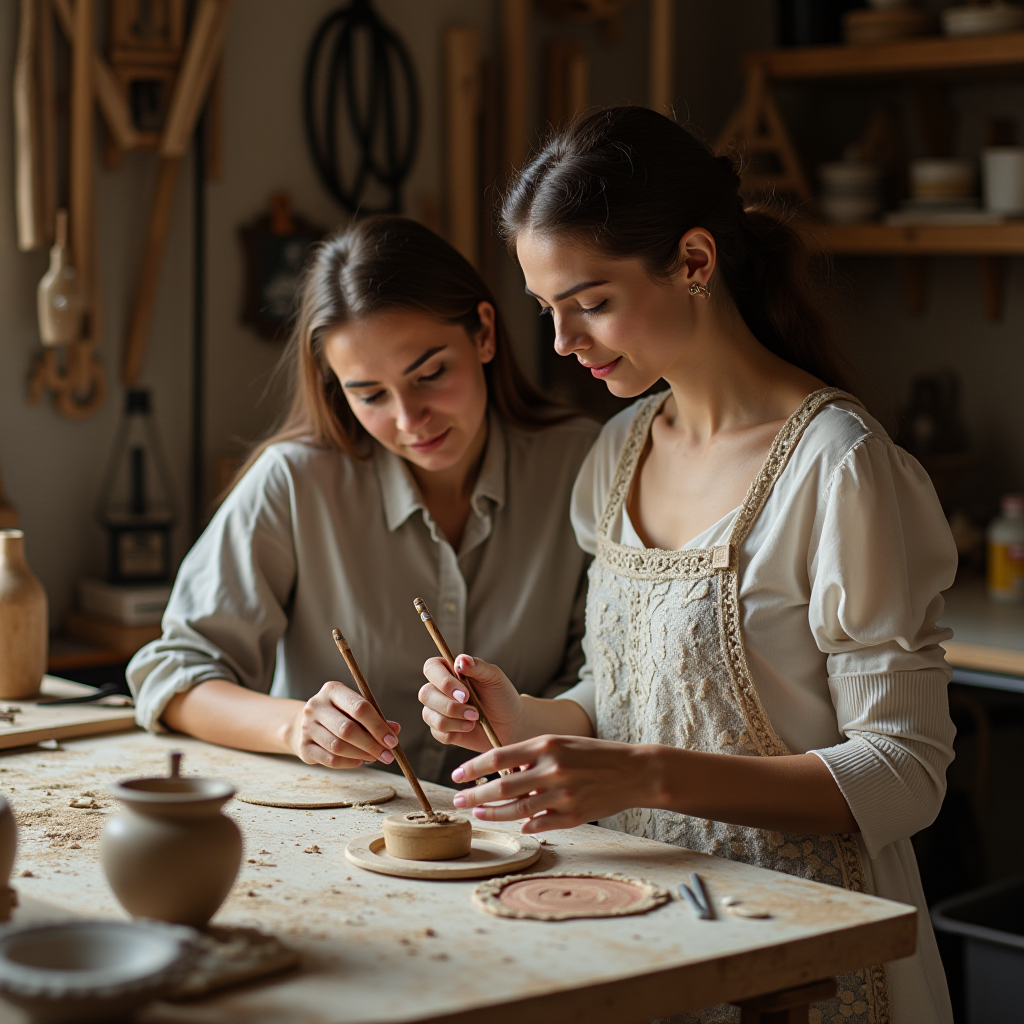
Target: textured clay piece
x=229, y=956
x=414, y=836
x=91, y=970
x=315, y=791
x=562, y=896
x=750, y=910
x=171, y=855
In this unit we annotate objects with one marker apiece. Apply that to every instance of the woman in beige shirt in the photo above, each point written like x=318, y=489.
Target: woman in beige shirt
x=415, y=461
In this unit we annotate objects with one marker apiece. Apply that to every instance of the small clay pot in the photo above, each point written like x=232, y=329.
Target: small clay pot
x=413, y=836
x=171, y=855
x=91, y=970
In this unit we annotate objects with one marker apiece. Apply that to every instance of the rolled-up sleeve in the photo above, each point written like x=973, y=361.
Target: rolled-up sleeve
x=227, y=610
x=881, y=560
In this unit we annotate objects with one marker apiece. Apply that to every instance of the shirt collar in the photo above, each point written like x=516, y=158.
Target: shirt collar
x=401, y=497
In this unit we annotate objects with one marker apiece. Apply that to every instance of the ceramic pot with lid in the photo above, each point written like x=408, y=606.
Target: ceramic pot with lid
x=171, y=854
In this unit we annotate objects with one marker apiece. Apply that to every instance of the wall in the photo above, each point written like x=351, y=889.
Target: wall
x=51, y=467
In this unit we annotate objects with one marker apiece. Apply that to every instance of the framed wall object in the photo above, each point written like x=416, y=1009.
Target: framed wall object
x=275, y=245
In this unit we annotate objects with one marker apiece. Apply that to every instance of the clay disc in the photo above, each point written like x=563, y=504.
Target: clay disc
x=562, y=896
x=313, y=791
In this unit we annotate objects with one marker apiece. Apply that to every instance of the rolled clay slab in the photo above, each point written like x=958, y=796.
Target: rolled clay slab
x=313, y=791
x=563, y=896
x=412, y=835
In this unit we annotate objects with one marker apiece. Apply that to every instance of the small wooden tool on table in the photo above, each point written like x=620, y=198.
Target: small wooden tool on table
x=413, y=836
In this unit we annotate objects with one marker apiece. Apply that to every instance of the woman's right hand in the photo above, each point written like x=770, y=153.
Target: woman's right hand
x=446, y=708
x=341, y=729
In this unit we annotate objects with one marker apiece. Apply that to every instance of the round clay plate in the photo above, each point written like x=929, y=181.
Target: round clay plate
x=313, y=791
x=560, y=897
x=494, y=853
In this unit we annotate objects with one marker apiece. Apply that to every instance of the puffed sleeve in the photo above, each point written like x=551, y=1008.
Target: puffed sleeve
x=881, y=559
x=226, y=612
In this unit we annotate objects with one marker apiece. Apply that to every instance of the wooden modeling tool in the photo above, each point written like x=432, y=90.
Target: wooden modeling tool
x=364, y=689
x=424, y=613
x=416, y=835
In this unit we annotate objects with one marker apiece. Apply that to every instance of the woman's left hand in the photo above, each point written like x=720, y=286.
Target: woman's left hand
x=566, y=781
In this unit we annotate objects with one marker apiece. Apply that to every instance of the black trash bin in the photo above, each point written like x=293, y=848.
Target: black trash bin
x=991, y=923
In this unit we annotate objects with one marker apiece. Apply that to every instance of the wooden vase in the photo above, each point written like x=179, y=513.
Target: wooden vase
x=23, y=621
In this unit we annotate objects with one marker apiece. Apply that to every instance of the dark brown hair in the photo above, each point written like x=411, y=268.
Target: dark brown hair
x=379, y=264
x=631, y=182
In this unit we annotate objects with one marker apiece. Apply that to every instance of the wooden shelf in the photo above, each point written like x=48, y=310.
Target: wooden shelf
x=918, y=240
x=999, y=53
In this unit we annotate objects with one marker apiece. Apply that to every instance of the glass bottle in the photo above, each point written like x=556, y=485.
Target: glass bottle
x=1006, y=552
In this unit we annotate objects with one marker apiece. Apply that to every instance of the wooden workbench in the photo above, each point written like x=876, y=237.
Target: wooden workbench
x=987, y=637
x=379, y=949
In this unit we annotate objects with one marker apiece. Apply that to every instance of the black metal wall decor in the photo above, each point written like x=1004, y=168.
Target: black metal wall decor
x=373, y=115
x=276, y=245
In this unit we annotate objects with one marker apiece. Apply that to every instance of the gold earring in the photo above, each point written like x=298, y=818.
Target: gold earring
x=700, y=289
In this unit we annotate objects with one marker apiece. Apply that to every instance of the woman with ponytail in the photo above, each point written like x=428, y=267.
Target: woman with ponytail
x=764, y=680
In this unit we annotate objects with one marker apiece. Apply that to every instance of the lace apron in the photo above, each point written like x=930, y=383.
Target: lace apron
x=669, y=667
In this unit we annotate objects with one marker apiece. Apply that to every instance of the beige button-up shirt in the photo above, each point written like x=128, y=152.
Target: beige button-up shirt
x=312, y=539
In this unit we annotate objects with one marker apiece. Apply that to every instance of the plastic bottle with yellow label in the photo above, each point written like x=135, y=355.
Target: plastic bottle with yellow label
x=1006, y=552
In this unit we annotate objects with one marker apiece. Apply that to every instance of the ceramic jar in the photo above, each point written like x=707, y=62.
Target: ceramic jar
x=23, y=621
x=411, y=835
x=171, y=854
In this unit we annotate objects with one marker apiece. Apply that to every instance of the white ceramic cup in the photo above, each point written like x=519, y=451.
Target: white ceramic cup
x=1002, y=179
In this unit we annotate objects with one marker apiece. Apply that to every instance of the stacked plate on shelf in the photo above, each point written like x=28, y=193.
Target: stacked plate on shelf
x=942, y=191
x=886, y=21
x=978, y=19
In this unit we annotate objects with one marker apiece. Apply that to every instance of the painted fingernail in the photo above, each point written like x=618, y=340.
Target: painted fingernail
x=471, y=713
x=458, y=775
x=479, y=812
x=460, y=696
x=390, y=741
x=459, y=801
x=387, y=757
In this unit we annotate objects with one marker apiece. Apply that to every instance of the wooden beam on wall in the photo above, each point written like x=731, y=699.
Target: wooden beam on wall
x=661, y=83
x=515, y=69
x=462, y=107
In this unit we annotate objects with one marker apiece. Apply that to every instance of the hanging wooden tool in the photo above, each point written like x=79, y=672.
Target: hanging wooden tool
x=68, y=366
x=202, y=57
x=34, y=227
x=146, y=40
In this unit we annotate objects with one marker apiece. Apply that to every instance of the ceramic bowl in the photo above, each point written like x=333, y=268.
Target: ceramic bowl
x=941, y=179
x=982, y=19
x=91, y=970
x=850, y=178
x=849, y=209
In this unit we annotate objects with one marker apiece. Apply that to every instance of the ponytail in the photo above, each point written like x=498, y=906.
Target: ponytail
x=631, y=182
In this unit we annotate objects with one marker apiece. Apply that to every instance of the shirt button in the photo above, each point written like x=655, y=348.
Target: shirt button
x=451, y=607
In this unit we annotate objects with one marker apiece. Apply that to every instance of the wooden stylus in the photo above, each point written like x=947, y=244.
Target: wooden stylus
x=421, y=608
x=364, y=689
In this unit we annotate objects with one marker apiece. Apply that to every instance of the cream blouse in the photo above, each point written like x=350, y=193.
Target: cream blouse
x=311, y=539
x=840, y=591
